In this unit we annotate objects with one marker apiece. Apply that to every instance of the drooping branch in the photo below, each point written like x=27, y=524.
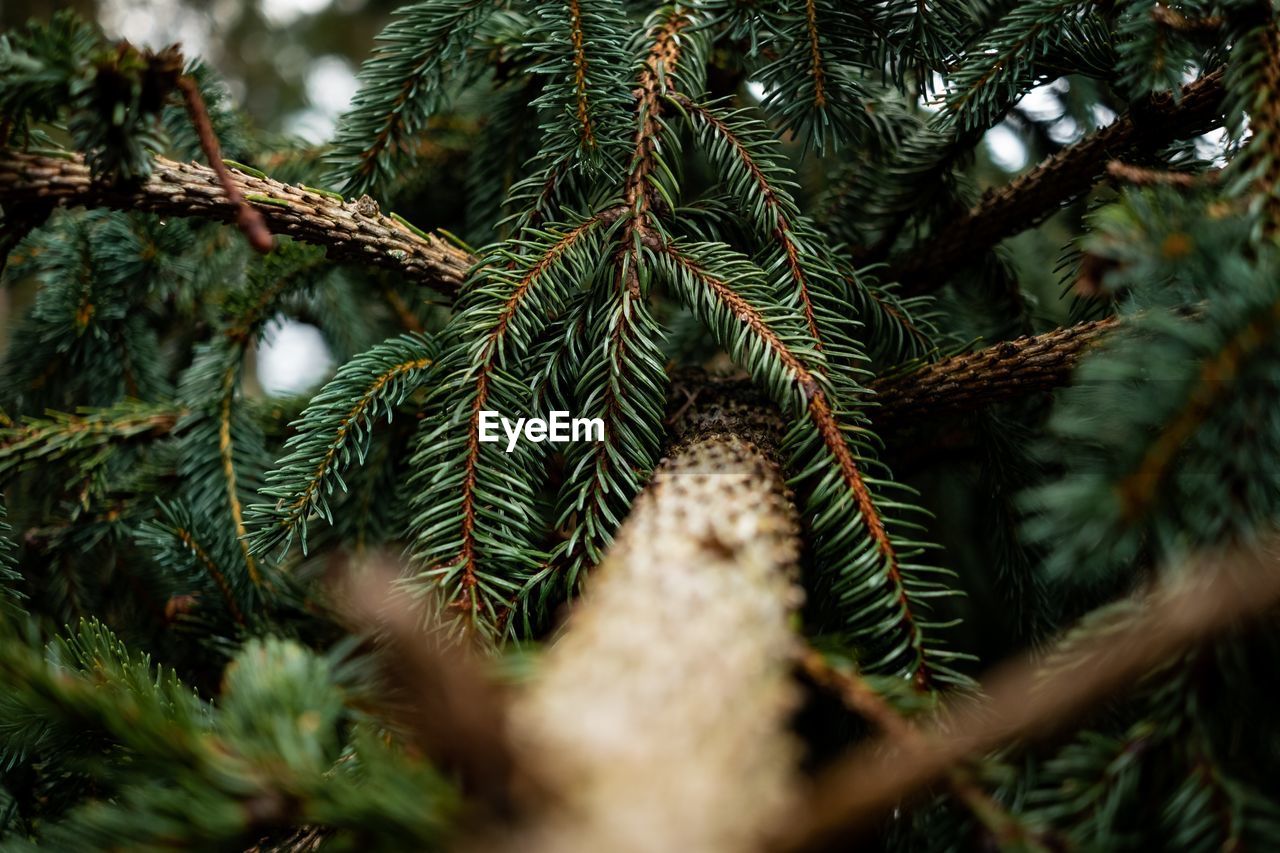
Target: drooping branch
x=349, y=231
x=675, y=666
x=828, y=424
x=1006, y=371
x=1061, y=178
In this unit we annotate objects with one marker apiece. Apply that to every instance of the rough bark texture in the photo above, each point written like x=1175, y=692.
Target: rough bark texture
x=1068, y=174
x=350, y=231
x=658, y=720
x=1006, y=371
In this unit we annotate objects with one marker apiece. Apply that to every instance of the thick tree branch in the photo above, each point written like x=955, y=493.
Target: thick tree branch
x=1006, y=371
x=349, y=231
x=1061, y=178
x=658, y=721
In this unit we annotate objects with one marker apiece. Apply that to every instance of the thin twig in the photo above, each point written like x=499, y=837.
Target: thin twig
x=247, y=218
x=858, y=696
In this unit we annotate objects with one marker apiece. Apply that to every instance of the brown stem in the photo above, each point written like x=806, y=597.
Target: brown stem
x=1006, y=371
x=347, y=230
x=858, y=696
x=1061, y=178
x=247, y=218
x=1025, y=700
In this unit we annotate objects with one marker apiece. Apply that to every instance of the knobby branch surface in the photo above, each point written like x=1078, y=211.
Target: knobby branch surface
x=1008, y=370
x=1066, y=175
x=349, y=231
x=658, y=721
x=1034, y=697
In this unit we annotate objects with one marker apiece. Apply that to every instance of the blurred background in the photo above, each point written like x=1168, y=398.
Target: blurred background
x=291, y=63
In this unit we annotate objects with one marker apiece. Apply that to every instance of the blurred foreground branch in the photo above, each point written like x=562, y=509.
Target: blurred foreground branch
x=1029, y=699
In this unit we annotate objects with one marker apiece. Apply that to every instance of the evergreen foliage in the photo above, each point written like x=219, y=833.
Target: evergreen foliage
x=654, y=189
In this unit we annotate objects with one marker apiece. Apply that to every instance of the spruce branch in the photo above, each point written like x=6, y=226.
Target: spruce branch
x=88, y=436
x=705, y=562
x=348, y=231
x=336, y=426
x=718, y=287
x=1253, y=85
x=859, y=696
x=1007, y=370
x=1222, y=366
x=1011, y=57
x=463, y=535
x=774, y=209
x=402, y=86
x=1061, y=178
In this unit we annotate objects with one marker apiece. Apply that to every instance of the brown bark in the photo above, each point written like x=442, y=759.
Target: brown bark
x=1037, y=695
x=1006, y=371
x=1065, y=176
x=349, y=231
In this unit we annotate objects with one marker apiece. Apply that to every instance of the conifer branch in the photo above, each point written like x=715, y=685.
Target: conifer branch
x=660, y=66
x=91, y=432
x=336, y=425
x=226, y=453
x=1007, y=370
x=830, y=431
x=1216, y=374
x=348, y=231
x=1061, y=178
x=709, y=548
x=817, y=66
x=505, y=306
x=774, y=208
x=188, y=539
x=586, y=125
x=860, y=697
